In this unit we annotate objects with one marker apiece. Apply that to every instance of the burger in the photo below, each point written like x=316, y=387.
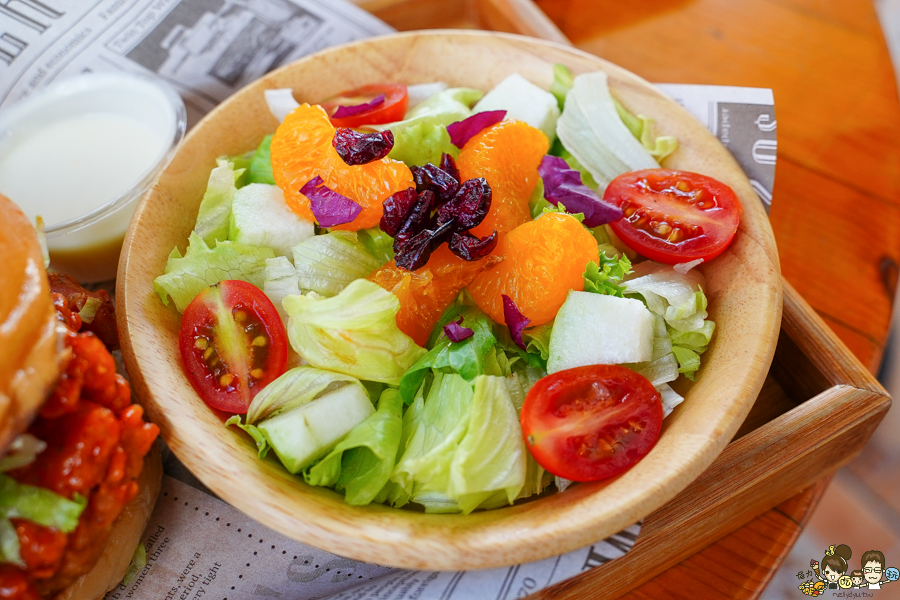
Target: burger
x=79, y=472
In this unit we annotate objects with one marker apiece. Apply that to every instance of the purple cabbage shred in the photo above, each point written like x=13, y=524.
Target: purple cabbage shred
x=355, y=109
x=563, y=184
x=357, y=148
x=455, y=332
x=462, y=131
x=329, y=207
x=515, y=321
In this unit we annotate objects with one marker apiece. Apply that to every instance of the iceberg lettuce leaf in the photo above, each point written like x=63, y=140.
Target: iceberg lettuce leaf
x=361, y=464
x=39, y=505
x=202, y=266
x=327, y=263
x=214, y=215
x=294, y=388
x=354, y=333
x=489, y=464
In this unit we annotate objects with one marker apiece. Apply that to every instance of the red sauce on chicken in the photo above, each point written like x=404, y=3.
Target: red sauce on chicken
x=96, y=442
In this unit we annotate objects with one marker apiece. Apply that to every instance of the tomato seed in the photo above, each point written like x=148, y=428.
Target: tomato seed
x=208, y=352
x=201, y=343
x=240, y=316
x=260, y=341
x=256, y=373
x=682, y=186
x=663, y=228
x=226, y=380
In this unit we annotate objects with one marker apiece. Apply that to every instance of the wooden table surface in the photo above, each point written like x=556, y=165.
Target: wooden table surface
x=836, y=207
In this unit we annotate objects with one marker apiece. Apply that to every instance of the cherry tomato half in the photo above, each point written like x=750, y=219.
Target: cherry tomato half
x=392, y=109
x=590, y=423
x=232, y=344
x=674, y=216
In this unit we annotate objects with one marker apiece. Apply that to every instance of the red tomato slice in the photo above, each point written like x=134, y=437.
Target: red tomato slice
x=232, y=344
x=593, y=422
x=392, y=109
x=674, y=216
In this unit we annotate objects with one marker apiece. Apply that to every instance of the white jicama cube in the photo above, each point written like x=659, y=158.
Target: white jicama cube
x=305, y=434
x=523, y=101
x=262, y=218
x=594, y=329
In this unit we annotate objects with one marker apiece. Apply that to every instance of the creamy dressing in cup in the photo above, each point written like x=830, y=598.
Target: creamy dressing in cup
x=80, y=155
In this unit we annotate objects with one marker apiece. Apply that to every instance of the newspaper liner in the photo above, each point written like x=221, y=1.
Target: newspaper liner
x=196, y=544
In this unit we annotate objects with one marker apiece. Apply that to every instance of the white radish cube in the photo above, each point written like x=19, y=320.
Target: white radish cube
x=523, y=101
x=595, y=329
x=262, y=218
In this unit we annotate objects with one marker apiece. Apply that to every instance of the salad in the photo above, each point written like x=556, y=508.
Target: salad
x=446, y=297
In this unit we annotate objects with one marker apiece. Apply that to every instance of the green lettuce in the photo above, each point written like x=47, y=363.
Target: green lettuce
x=679, y=299
x=9, y=544
x=260, y=167
x=259, y=438
x=214, y=215
x=606, y=277
x=464, y=446
x=35, y=504
x=327, y=263
x=294, y=388
x=421, y=137
x=643, y=127
x=467, y=358
x=202, y=266
x=361, y=464
x=562, y=83
x=488, y=467
x=354, y=332
x=378, y=243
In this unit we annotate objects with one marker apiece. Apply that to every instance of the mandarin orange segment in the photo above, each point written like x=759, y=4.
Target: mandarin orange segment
x=301, y=149
x=425, y=293
x=540, y=262
x=507, y=155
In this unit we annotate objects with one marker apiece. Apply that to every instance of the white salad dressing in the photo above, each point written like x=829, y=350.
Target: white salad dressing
x=52, y=171
x=80, y=154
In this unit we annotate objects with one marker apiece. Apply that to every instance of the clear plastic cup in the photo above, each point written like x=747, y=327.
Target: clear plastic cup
x=87, y=245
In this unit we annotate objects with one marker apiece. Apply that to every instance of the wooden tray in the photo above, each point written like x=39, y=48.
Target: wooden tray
x=817, y=409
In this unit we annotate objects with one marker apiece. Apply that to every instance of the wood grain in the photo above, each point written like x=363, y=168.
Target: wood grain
x=838, y=116
x=743, y=285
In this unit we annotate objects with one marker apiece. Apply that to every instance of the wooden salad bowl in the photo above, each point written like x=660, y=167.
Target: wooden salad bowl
x=743, y=285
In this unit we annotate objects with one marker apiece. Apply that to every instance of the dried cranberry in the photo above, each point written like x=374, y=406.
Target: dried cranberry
x=417, y=249
x=468, y=247
x=418, y=219
x=396, y=210
x=448, y=165
x=436, y=180
x=470, y=206
x=357, y=148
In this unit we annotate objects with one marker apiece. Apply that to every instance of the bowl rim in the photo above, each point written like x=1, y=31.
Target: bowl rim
x=365, y=533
